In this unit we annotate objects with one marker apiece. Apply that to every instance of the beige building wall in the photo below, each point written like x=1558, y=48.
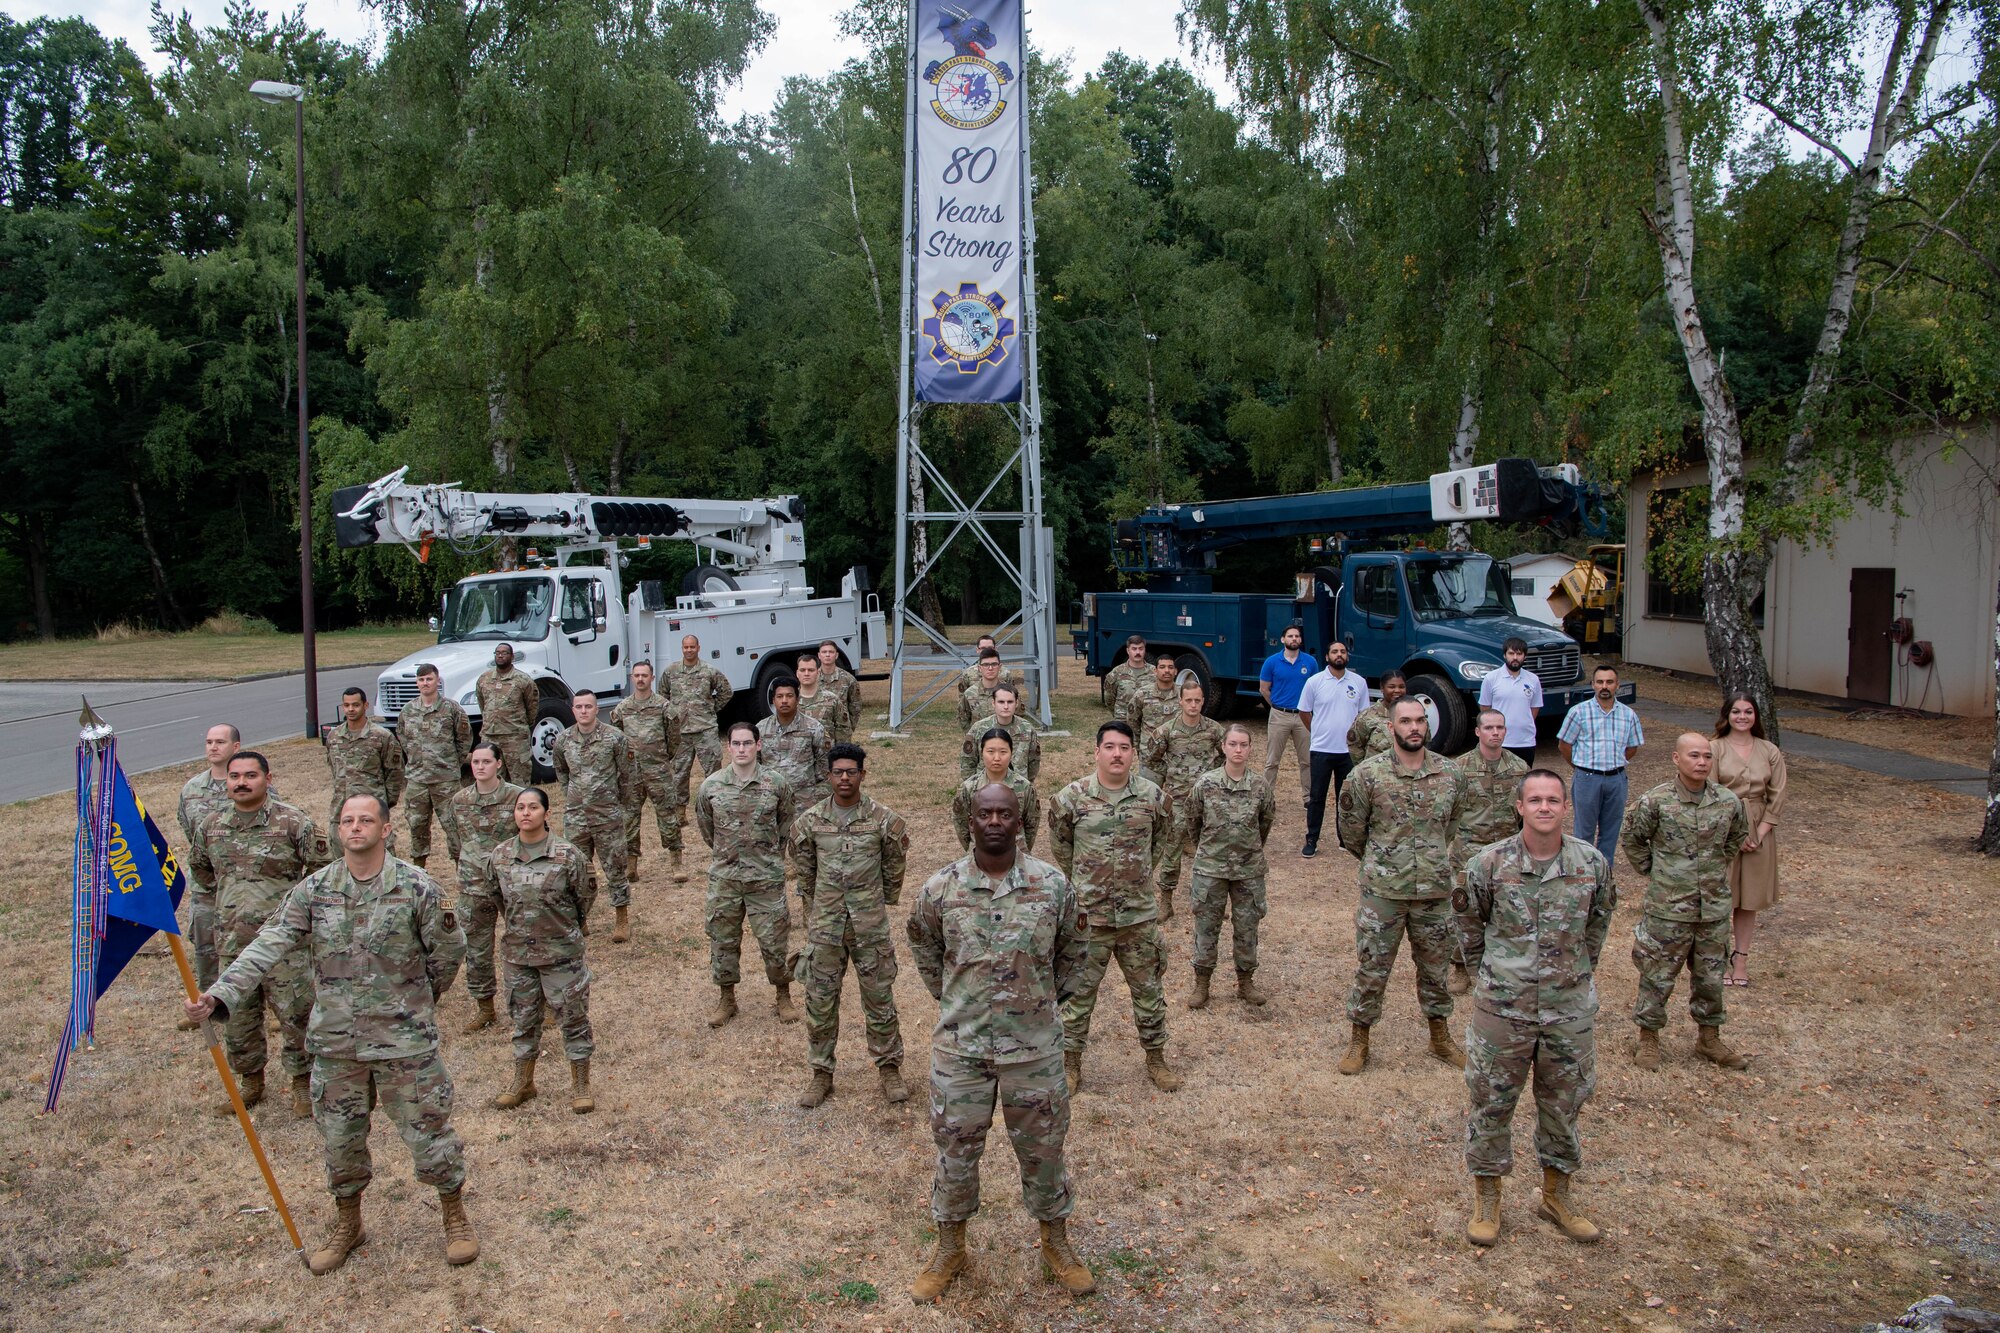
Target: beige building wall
x=1945, y=552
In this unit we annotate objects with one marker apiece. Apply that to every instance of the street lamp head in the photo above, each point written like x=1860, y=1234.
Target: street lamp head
x=265, y=90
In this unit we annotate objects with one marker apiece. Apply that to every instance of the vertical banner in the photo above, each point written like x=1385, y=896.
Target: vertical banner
x=969, y=67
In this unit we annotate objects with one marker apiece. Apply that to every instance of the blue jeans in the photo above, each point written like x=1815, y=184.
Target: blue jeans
x=1600, y=810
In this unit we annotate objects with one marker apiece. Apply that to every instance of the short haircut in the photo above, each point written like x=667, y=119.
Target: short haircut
x=381, y=805
x=488, y=746
x=1004, y=688
x=829, y=643
x=996, y=734
x=1484, y=713
x=740, y=725
x=1408, y=701
x=1533, y=773
x=1604, y=666
x=1335, y=642
x=1193, y=683
x=1514, y=644
x=1132, y=640
x=846, y=750
x=1168, y=658
x=541, y=796
x=1295, y=625
x=234, y=734
x=986, y=638
x=1235, y=727
x=426, y=669
x=1119, y=725
x=642, y=662
x=354, y=692
x=580, y=693
x=989, y=653
x=785, y=682
x=1388, y=676
x=253, y=756
x=804, y=658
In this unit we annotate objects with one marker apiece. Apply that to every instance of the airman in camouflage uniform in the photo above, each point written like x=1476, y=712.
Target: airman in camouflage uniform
x=851, y=858
x=969, y=677
x=1489, y=783
x=995, y=939
x=833, y=676
x=1227, y=816
x=1024, y=793
x=1006, y=715
x=699, y=692
x=1682, y=835
x=381, y=948
x=485, y=819
x=1154, y=701
x=1121, y=678
x=825, y=706
x=594, y=763
x=509, y=704
x=651, y=728
x=202, y=795
x=364, y=758
x=1396, y=813
x=1534, y=925
x=252, y=857
x=743, y=811
x=795, y=747
x=1370, y=735
x=1108, y=831
x=975, y=696
x=1177, y=752
x=436, y=736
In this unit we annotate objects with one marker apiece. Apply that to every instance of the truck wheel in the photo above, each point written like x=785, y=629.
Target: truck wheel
x=551, y=720
x=706, y=580
x=1450, y=717
x=755, y=704
x=1215, y=700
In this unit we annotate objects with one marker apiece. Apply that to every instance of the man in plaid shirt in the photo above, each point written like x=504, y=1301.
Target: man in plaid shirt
x=1598, y=737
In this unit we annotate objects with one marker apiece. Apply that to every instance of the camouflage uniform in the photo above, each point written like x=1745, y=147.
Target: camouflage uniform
x=968, y=678
x=744, y=824
x=843, y=683
x=253, y=859
x=597, y=777
x=364, y=763
x=827, y=708
x=509, y=704
x=380, y=953
x=202, y=795
x=976, y=700
x=1683, y=843
x=1399, y=823
x=1024, y=792
x=999, y=957
x=1227, y=820
x=1486, y=814
x=1177, y=754
x=652, y=730
x=851, y=863
x=484, y=822
x=1119, y=681
x=796, y=754
x=435, y=742
x=545, y=894
x=1370, y=735
x=1107, y=843
x=698, y=693
x=1027, y=760
x=1149, y=707
x=1535, y=935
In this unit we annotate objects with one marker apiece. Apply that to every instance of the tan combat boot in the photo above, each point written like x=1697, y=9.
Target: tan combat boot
x=818, y=1090
x=1443, y=1047
x=1198, y=998
x=483, y=1016
x=1246, y=990
x=252, y=1088
x=1166, y=900
x=781, y=1004
x=580, y=1100
x=1484, y=1228
x=302, y=1102
x=725, y=1006
x=1460, y=980
x=1711, y=1047
x=632, y=864
x=461, y=1244
x=674, y=862
x=1073, y=1071
x=1164, y=1078
x=947, y=1262
x=1555, y=1207
x=1059, y=1262
x=893, y=1088
x=342, y=1239
x=1356, y=1058
x=621, y=925
x=1648, y=1054
x=524, y=1086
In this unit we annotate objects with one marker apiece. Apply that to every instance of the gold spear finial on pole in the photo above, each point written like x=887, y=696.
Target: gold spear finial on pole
x=91, y=729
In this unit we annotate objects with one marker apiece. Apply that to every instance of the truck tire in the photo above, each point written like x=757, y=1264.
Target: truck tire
x=1216, y=700
x=703, y=580
x=1450, y=717
x=754, y=705
x=551, y=719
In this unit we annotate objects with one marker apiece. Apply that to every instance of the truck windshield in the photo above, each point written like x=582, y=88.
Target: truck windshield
x=497, y=609
x=1453, y=587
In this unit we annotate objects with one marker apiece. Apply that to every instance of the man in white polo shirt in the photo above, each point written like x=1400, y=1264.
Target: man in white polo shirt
x=1517, y=693
x=1328, y=705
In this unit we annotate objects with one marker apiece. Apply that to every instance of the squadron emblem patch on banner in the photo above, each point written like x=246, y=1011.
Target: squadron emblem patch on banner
x=968, y=84
x=968, y=331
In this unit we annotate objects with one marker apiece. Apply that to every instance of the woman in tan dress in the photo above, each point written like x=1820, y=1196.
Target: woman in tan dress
x=1754, y=769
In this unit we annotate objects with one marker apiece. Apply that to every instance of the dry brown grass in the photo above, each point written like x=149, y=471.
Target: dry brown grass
x=226, y=648
x=1269, y=1194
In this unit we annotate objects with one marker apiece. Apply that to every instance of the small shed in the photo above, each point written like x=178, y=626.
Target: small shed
x=1535, y=577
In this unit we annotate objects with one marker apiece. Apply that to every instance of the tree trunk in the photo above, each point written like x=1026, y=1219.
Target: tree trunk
x=1458, y=536
x=1332, y=437
x=1989, y=837
x=38, y=576
x=1157, y=481
x=170, y=612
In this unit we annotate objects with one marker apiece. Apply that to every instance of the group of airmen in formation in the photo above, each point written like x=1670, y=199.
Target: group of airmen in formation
x=1466, y=857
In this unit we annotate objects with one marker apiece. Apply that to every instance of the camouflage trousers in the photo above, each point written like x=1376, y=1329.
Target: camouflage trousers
x=517, y=757
x=1143, y=960
x=421, y=800
x=600, y=836
x=1244, y=901
x=333, y=820
x=823, y=968
x=1501, y=1055
x=1167, y=875
x=204, y=925
x=1659, y=949
x=729, y=903
x=1033, y=1097
x=479, y=913
x=415, y=1093
x=562, y=989
x=655, y=784
x=703, y=744
x=1379, y=927
x=287, y=991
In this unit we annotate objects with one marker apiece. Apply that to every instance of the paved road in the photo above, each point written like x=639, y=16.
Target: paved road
x=1939, y=773
x=158, y=722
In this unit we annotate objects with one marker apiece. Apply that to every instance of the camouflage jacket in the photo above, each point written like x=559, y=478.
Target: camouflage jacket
x=845, y=684
x=1118, y=683
x=851, y=865
x=381, y=954
x=1399, y=823
x=1369, y=736
x=204, y=794
x=1486, y=793
x=368, y=762
x=649, y=726
x=1150, y=707
x=1683, y=843
x=698, y=693
x=1108, y=842
x=1228, y=820
x=545, y=891
x=508, y=705
x=435, y=740
x=796, y=754
x=829, y=709
x=976, y=701
x=745, y=824
x=1027, y=759
x=968, y=678
x=485, y=820
x=252, y=861
x=1534, y=940
x=595, y=769
x=1177, y=754
x=999, y=957
x=1024, y=792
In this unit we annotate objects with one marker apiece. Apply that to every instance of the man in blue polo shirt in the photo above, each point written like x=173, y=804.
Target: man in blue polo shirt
x=1598, y=737
x=1281, y=682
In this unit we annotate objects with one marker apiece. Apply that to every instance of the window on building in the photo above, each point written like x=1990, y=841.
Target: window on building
x=1676, y=524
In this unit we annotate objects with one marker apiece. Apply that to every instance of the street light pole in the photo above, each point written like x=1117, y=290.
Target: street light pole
x=265, y=90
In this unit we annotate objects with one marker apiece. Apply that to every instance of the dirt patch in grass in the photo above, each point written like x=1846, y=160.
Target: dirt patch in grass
x=1849, y=1172
x=202, y=654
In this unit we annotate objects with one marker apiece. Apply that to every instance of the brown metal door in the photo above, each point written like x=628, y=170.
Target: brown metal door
x=1871, y=605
